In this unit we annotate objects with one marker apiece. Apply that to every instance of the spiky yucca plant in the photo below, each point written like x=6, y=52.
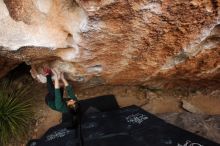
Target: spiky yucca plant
x=15, y=111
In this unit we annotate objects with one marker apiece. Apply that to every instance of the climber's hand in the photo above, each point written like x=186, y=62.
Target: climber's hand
x=62, y=76
x=56, y=74
x=47, y=71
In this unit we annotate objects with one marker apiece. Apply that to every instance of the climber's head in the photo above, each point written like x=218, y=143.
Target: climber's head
x=70, y=103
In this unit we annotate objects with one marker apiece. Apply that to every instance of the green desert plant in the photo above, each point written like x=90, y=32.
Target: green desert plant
x=15, y=111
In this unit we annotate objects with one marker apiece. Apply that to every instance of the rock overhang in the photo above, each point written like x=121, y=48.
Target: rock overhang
x=115, y=42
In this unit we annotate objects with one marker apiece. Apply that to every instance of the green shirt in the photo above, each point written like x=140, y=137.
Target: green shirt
x=59, y=104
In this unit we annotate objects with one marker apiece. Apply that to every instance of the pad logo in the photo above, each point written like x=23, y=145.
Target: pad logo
x=136, y=118
x=189, y=143
x=58, y=134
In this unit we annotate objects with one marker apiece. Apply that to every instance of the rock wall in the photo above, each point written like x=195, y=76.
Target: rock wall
x=161, y=43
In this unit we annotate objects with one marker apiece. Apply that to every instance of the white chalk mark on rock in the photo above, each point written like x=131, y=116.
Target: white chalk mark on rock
x=95, y=69
x=43, y=5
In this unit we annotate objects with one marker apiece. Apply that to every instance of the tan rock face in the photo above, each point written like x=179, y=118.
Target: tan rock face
x=126, y=42
x=201, y=104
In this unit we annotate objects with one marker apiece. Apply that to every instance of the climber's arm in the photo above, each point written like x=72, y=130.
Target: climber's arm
x=69, y=88
x=50, y=85
x=70, y=92
x=59, y=103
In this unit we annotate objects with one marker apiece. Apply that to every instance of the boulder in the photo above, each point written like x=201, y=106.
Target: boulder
x=126, y=42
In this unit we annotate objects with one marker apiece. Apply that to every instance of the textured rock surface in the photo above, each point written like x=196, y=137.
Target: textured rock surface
x=203, y=104
x=203, y=125
x=159, y=43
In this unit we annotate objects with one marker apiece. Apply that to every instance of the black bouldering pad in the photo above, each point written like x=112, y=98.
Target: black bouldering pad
x=132, y=126
x=101, y=103
x=58, y=136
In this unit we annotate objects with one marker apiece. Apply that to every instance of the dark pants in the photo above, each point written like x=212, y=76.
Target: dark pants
x=70, y=119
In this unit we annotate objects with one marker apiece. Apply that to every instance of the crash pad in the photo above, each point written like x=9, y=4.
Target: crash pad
x=132, y=126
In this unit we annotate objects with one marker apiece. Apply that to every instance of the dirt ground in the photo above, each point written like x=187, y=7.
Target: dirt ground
x=45, y=117
x=195, y=111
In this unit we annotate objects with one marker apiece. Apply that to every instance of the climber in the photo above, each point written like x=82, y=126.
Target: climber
x=54, y=99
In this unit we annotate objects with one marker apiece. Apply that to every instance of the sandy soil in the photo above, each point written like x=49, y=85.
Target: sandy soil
x=45, y=117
